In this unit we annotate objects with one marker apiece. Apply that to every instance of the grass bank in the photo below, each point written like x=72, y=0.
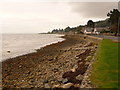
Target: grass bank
x=105, y=68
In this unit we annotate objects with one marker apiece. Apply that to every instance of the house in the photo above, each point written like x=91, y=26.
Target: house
x=97, y=30
x=90, y=31
x=101, y=29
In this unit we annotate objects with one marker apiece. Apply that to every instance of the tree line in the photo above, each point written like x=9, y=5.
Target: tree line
x=113, y=22
x=69, y=29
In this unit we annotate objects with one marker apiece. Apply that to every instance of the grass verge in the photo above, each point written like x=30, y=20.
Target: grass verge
x=105, y=68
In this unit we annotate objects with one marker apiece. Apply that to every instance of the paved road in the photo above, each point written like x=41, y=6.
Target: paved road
x=108, y=37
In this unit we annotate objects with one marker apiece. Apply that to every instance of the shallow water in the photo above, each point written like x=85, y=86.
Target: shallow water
x=18, y=44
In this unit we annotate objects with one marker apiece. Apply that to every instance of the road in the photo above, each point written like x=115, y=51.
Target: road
x=108, y=37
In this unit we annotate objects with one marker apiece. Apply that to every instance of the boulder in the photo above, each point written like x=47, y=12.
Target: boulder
x=60, y=79
x=68, y=85
x=45, y=81
x=79, y=77
x=73, y=70
x=8, y=51
x=46, y=86
x=65, y=80
x=56, y=86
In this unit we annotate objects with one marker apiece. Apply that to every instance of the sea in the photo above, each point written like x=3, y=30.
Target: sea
x=13, y=45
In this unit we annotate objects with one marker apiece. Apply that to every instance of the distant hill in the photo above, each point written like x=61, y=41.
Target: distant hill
x=79, y=29
x=103, y=23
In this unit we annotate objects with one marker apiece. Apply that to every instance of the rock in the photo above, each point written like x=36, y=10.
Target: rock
x=23, y=80
x=65, y=80
x=20, y=66
x=46, y=86
x=88, y=58
x=89, y=82
x=60, y=79
x=40, y=73
x=50, y=59
x=85, y=76
x=77, y=85
x=73, y=70
x=84, y=37
x=30, y=82
x=79, y=77
x=52, y=82
x=55, y=70
x=28, y=72
x=51, y=79
x=39, y=84
x=45, y=81
x=96, y=47
x=75, y=66
x=68, y=85
x=51, y=76
x=8, y=51
x=56, y=86
x=65, y=50
x=30, y=77
x=87, y=63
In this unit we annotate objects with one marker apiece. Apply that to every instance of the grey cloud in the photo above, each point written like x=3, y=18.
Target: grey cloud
x=93, y=9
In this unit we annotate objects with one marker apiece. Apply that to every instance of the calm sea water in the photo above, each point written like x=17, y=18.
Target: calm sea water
x=19, y=44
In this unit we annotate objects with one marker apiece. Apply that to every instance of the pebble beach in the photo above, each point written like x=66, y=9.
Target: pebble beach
x=59, y=65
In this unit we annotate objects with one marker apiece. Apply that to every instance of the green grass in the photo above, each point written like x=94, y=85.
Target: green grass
x=105, y=68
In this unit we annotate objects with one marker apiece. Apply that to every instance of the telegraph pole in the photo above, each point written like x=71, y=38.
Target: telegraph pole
x=118, y=25
x=119, y=17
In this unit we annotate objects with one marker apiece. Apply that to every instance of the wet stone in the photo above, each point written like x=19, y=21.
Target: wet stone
x=8, y=51
x=51, y=59
x=20, y=66
x=60, y=79
x=40, y=73
x=68, y=85
x=56, y=86
x=65, y=80
x=46, y=86
x=79, y=77
x=55, y=70
x=28, y=72
x=30, y=83
x=45, y=81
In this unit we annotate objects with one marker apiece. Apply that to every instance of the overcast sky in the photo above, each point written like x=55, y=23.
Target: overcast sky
x=38, y=17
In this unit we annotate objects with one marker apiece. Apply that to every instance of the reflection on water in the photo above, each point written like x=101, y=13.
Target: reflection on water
x=19, y=44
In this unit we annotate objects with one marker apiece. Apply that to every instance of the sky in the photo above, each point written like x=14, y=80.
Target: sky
x=34, y=16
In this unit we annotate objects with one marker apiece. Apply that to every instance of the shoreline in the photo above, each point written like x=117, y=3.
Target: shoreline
x=11, y=53
x=35, y=50
x=52, y=66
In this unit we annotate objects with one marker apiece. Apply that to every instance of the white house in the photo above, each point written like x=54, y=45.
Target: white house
x=91, y=31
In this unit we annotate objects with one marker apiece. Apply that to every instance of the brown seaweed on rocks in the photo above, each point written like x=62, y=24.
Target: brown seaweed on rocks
x=71, y=76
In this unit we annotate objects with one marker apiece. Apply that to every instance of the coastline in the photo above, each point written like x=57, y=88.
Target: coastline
x=32, y=42
x=52, y=66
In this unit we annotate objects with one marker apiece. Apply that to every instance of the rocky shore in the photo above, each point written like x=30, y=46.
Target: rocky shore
x=60, y=65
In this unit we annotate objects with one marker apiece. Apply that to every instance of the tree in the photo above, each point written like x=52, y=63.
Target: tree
x=55, y=31
x=90, y=24
x=114, y=17
x=78, y=29
x=67, y=29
